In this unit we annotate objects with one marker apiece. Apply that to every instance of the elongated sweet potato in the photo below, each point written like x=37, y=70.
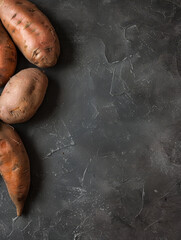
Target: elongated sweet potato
x=31, y=31
x=8, y=56
x=14, y=166
x=22, y=95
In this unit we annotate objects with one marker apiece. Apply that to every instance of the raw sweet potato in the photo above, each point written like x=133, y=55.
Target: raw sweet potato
x=14, y=166
x=8, y=56
x=31, y=31
x=22, y=95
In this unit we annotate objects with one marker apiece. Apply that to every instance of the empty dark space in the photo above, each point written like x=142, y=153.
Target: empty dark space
x=105, y=146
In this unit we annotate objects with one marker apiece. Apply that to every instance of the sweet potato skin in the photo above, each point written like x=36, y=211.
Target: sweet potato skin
x=22, y=95
x=8, y=56
x=31, y=31
x=14, y=166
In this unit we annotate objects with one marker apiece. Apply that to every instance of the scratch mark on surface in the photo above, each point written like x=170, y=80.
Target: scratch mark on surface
x=109, y=105
x=81, y=191
x=150, y=225
x=96, y=113
x=130, y=31
x=142, y=201
x=124, y=33
x=105, y=56
x=112, y=82
x=68, y=133
x=26, y=225
x=52, y=151
x=53, y=134
x=84, y=173
x=62, y=136
x=168, y=191
x=131, y=68
x=118, y=86
x=13, y=221
x=76, y=235
x=83, y=176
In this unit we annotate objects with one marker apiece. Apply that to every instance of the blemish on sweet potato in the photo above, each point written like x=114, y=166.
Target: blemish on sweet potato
x=27, y=25
x=14, y=16
x=31, y=10
x=19, y=3
x=15, y=167
x=48, y=49
x=18, y=22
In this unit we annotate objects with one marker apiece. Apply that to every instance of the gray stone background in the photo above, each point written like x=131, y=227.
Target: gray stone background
x=105, y=146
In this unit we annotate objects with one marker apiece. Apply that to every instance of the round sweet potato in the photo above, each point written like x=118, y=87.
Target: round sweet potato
x=22, y=95
x=31, y=30
x=8, y=56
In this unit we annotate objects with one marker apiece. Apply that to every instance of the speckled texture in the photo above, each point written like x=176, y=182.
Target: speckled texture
x=105, y=147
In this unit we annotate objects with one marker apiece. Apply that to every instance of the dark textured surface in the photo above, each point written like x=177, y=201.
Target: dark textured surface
x=105, y=147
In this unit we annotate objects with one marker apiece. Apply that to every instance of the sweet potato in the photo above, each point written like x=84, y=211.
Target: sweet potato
x=8, y=56
x=22, y=95
x=31, y=31
x=14, y=166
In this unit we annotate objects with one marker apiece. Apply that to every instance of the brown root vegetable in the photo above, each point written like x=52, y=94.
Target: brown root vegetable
x=22, y=95
x=14, y=166
x=8, y=56
x=31, y=31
